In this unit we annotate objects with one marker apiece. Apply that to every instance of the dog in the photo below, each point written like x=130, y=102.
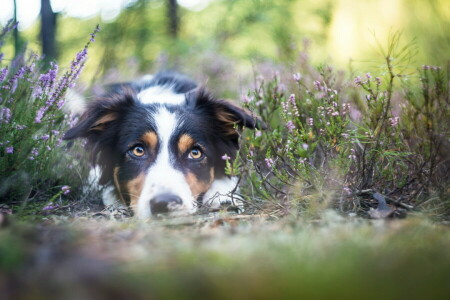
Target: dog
x=161, y=144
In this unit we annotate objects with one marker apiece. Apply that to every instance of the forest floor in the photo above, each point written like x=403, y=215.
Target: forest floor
x=108, y=255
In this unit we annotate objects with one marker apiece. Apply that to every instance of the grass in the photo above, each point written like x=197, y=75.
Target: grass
x=227, y=257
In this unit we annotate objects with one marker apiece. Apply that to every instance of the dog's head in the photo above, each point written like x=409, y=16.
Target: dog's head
x=161, y=155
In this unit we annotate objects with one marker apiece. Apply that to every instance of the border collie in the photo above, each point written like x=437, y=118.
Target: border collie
x=160, y=144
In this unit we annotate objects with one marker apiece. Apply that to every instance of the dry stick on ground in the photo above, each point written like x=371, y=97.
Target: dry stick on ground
x=371, y=192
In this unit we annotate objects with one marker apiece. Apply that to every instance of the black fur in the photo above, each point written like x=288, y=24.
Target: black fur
x=113, y=123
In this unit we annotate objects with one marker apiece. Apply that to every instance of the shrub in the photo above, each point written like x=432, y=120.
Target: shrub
x=337, y=142
x=32, y=121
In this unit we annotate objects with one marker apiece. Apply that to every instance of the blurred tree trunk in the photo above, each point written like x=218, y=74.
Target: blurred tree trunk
x=17, y=43
x=172, y=14
x=48, y=30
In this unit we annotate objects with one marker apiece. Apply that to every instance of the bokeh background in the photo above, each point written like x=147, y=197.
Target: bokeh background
x=221, y=41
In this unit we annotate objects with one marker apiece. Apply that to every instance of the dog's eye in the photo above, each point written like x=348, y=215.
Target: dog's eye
x=195, y=153
x=137, y=151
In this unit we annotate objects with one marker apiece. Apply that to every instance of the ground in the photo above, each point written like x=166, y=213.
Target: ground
x=225, y=256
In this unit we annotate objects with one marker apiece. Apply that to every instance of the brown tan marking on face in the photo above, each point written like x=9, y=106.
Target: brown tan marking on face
x=117, y=184
x=134, y=188
x=185, y=143
x=151, y=139
x=198, y=186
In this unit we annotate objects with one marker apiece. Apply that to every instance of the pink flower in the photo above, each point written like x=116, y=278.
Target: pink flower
x=65, y=189
x=225, y=157
x=269, y=162
x=290, y=126
x=246, y=99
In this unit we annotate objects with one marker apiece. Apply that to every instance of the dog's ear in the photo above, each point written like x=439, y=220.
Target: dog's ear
x=229, y=115
x=99, y=115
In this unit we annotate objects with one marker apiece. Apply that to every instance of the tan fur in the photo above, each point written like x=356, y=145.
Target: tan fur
x=185, y=143
x=151, y=139
x=197, y=186
x=117, y=184
x=134, y=189
x=100, y=124
x=229, y=119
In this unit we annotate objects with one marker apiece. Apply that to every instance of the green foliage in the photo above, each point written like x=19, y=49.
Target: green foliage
x=331, y=139
x=32, y=122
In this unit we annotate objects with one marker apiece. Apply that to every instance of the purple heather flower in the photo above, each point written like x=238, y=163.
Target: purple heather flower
x=55, y=132
x=297, y=76
x=378, y=80
x=246, y=99
x=225, y=157
x=45, y=137
x=3, y=73
x=269, y=162
x=368, y=75
x=48, y=79
x=317, y=84
x=21, y=72
x=310, y=121
x=9, y=150
x=393, y=121
x=37, y=92
x=290, y=126
x=40, y=114
x=21, y=127
x=5, y=115
x=358, y=80
x=65, y=189
x=285, y=107
x=292, y=99
x=425, y=67
x=35, y=152
x=258, y=133
x=60, y=103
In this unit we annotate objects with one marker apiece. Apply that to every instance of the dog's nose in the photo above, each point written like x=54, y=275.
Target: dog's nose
x=164, y=203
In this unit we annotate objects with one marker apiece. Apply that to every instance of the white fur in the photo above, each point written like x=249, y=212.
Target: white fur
x=220, y=193
x=161, y=94
x=75, y=103
x=162, y=177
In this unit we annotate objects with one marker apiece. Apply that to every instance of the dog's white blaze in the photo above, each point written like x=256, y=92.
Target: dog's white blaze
x=162, y=177
x=161, y=94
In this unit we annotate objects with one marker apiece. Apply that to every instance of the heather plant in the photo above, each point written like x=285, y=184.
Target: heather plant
x=340, y=142
x=32, y=121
